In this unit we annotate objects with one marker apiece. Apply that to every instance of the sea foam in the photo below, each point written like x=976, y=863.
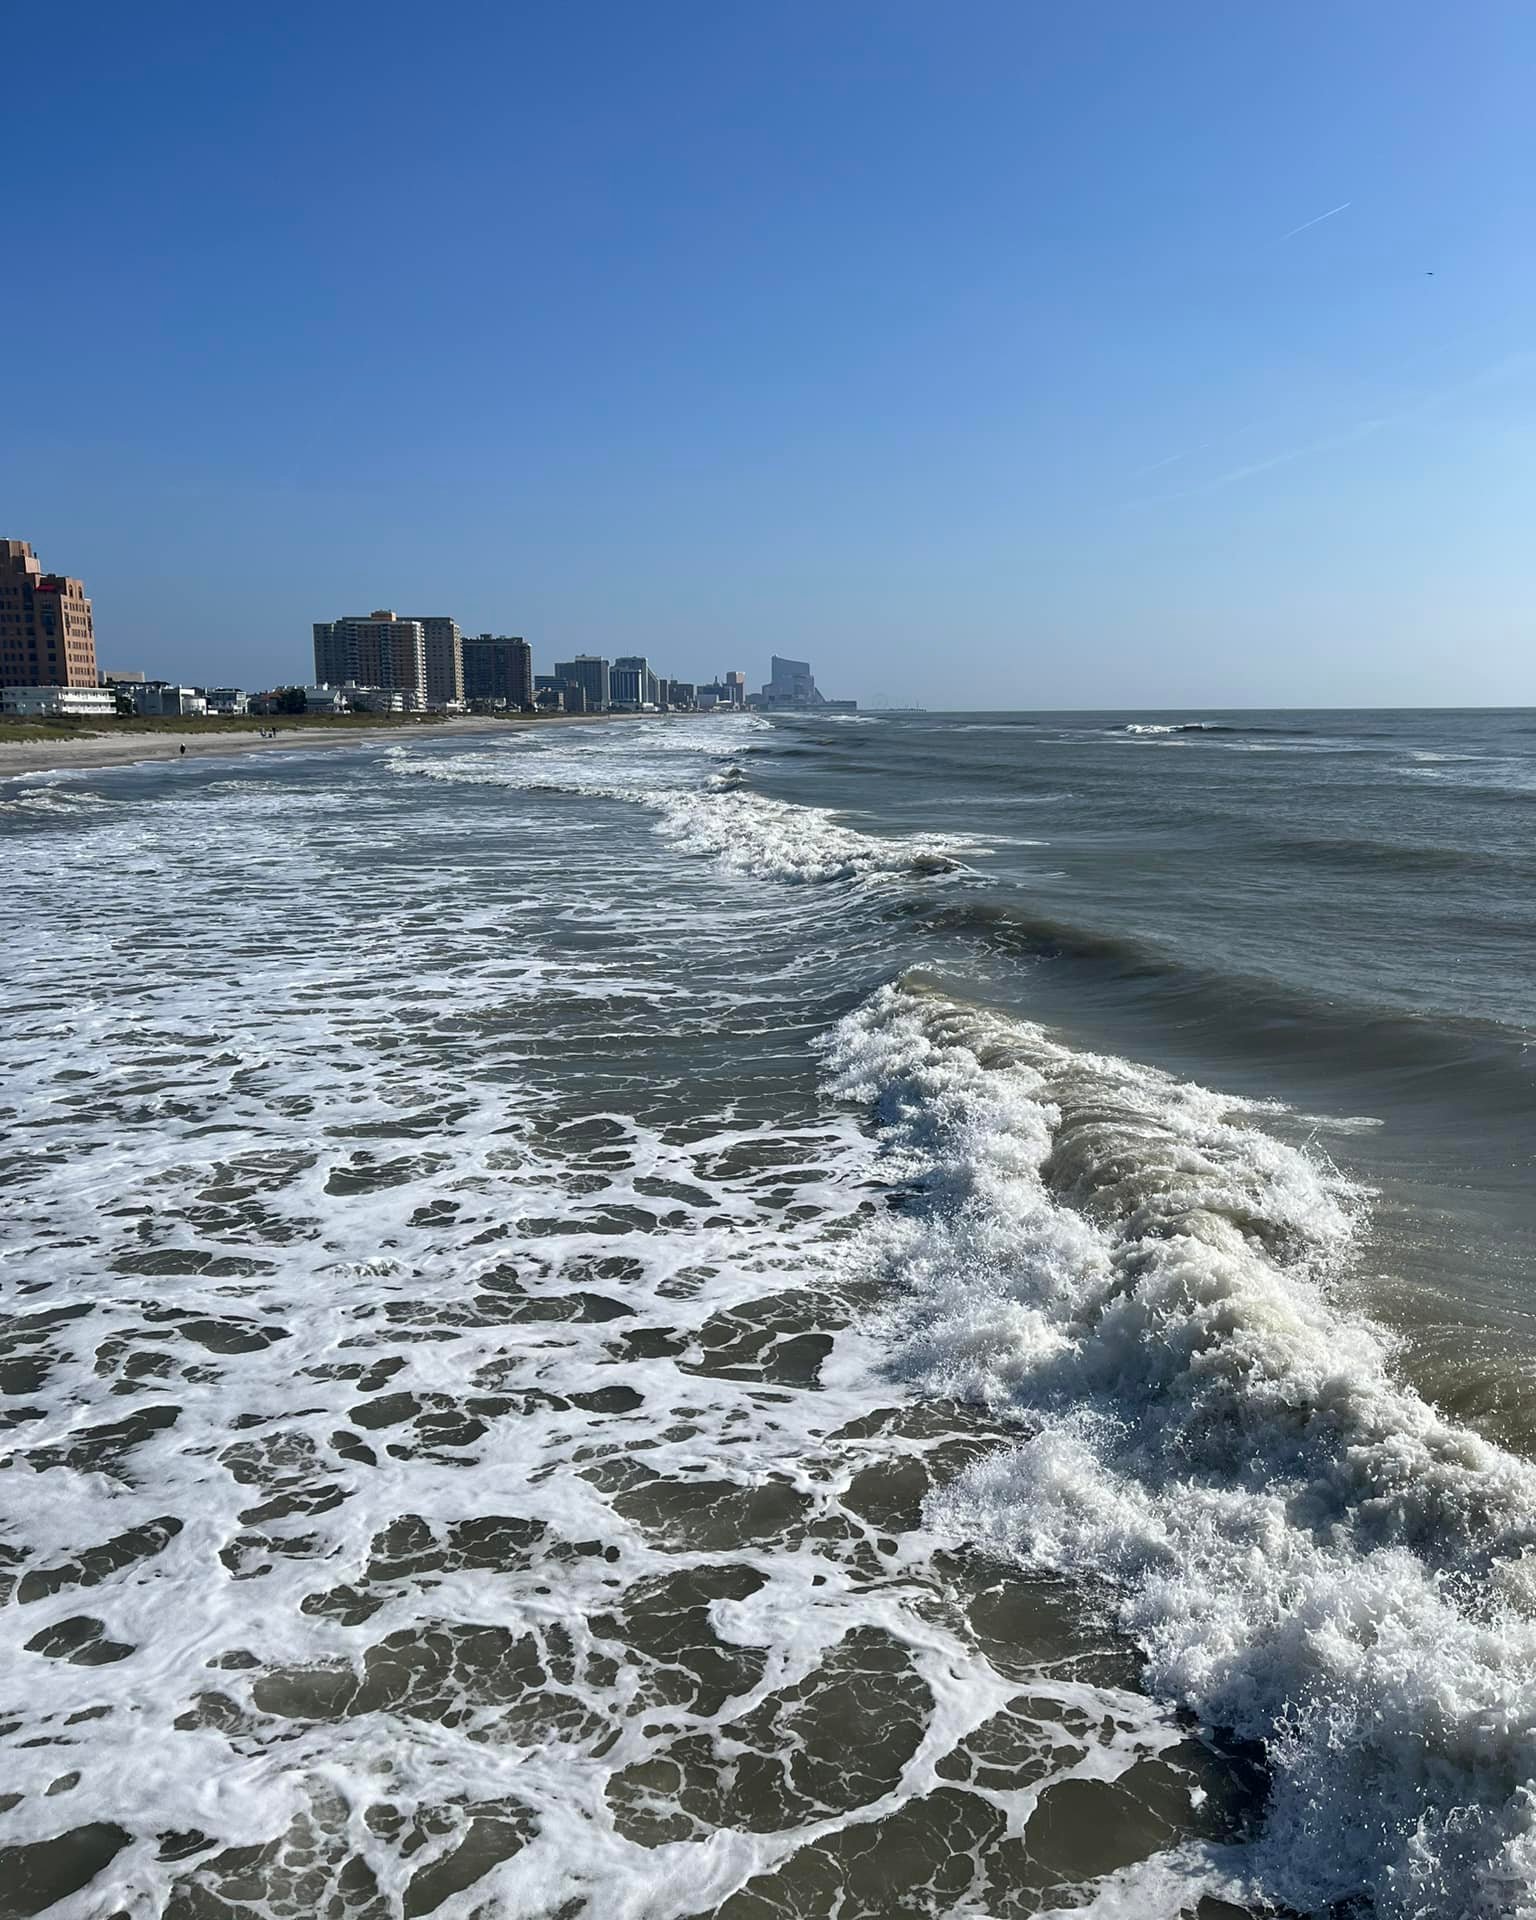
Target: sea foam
x=426, y=1489
x=655, y=765
x=1306, y=1551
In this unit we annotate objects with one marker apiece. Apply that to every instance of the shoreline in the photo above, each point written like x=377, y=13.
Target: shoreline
x=90, y=751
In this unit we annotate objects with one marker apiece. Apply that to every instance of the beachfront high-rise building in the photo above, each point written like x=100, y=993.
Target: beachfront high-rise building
x=791, y=685
x=373, y=650
x=631, y=682
x=737, y=684
x=47, y=636
x=445, y=658
x=590, y=672
x=498, y=668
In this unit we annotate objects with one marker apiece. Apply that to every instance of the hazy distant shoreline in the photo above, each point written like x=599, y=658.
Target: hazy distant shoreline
x=126, y=748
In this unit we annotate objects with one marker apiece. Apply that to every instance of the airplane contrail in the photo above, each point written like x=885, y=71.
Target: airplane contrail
x=1519, y=362
x=1315, y=222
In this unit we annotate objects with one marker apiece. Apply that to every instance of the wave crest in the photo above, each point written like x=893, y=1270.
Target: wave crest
x=716, y=816
x=1307, y=1553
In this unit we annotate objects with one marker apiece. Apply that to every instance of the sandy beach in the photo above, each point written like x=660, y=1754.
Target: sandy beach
x=123, y=749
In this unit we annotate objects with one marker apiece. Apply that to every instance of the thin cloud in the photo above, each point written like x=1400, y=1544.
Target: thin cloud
x=1186, y=453
x=1316, y=221
x=1360, y=430
x=1363, y=429
x=1189, y=453
x=1158, y=465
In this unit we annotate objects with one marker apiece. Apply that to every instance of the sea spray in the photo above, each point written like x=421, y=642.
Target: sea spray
x=1306, y=1552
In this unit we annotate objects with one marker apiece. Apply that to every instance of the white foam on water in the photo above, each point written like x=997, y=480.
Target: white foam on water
x=1306, y=1551
x=1479, y=773
x=652, y=765
x=43, y=798
x=423, y=1467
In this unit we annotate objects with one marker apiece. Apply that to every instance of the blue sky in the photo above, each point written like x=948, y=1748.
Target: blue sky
x=962, y=349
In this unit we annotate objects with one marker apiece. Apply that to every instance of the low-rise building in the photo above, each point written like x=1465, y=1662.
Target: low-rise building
x=53, y=702
x=160, y=700
x=227, y=700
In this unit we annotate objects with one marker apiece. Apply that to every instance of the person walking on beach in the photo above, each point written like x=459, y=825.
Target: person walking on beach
x=183, y=750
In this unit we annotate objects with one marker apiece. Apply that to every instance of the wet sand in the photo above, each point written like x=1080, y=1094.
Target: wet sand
x=123, y=749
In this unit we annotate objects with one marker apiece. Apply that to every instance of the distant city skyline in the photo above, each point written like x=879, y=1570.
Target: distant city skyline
x=378, y=662
x=381, y=661
x=993, y=357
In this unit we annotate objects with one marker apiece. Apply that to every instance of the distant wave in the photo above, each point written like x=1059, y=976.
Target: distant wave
x=47, y=800
x=1254, y=1012
x=1306, y=1551
x=1199, y=726
x=1389, y=856
x=719, y=818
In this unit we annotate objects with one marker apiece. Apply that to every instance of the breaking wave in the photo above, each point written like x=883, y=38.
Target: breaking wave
x=716, y=817
x=1188, y=726
x=45, y=799
x=1307, y=1553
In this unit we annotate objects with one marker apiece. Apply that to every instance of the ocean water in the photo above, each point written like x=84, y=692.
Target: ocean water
x=775, y=1319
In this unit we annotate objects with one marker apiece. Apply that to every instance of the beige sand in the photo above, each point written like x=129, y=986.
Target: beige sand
x=122, y=749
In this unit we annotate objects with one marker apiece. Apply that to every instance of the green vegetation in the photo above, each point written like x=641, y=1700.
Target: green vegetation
x=79, y=727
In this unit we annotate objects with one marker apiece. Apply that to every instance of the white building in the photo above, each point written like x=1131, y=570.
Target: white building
x=159, y=700
x=36, y=703
x=227, y=700
x=374, y=699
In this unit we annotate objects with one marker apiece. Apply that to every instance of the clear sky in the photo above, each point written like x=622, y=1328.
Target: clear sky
x=982, y=352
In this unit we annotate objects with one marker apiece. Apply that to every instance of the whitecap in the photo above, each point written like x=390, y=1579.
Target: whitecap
x=1306, y=1551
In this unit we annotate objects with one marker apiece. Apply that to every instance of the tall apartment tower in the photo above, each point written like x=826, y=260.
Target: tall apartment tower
x=590, y=672
x=498, y=668
x=445, y=658
x=374, y=650
x=47, y=637
x=737, y=685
